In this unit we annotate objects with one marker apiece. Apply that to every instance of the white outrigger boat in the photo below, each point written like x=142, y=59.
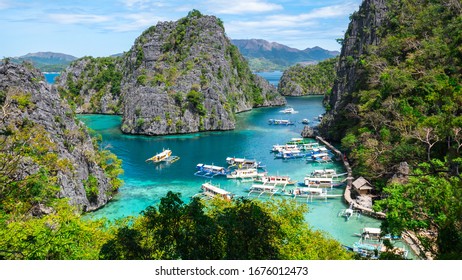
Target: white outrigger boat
x=326, y=173
x=244, y=173
x=243, y=163
x=165, y=155
x=320, y=157
x=211, y=191
x=274, y=180
x=311, y=193
x=210, y=171
x=281, y=122
x=290, y=154
x=279, y=148
x=263, y=189
x=318, y=182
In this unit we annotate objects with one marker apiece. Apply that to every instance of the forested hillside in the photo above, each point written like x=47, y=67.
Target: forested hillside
x=398, y=98
x=302, y=80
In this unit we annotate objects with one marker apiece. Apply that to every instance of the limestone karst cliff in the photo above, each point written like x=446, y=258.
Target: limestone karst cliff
x=362, y=33
x=45, y=151
x=179, y=77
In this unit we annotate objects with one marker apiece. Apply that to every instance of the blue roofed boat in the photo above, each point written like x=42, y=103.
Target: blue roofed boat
x=210, y=171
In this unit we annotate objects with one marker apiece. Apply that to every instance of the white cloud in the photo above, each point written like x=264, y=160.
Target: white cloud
x=133, y=22
x=241, y=6
x=321, y=13
x=78, y=18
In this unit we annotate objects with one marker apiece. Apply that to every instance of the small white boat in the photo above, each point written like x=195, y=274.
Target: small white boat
x=289, y=110
x=349, y=212
x=163, y=156
x=305, y=121
x=244, y=173
x=212, y=191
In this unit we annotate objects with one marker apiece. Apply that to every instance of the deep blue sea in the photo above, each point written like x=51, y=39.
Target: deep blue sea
x=145, y=183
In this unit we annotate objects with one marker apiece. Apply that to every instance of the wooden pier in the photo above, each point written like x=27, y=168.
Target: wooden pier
x=347, y=193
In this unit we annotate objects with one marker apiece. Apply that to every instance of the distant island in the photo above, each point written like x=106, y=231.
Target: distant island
x=47, y=61
x=264, y=56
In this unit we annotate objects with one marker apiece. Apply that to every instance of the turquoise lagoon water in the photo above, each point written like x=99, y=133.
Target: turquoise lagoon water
x=50, y=77
x=272, y=77
x=145, y=183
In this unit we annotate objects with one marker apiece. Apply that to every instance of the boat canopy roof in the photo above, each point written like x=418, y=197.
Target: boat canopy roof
x=217, y=190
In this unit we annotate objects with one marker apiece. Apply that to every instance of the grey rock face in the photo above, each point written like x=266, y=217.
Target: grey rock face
x=72, y=143
x=185, y=76
x=361, y=33
x=309, y=132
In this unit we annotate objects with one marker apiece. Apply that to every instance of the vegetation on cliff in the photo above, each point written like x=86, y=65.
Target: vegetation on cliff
x=302, y=80
x=95, y=87
x=48, y=162
x=404, y=105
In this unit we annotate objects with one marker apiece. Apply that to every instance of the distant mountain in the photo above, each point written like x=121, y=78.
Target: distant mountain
x=47, y=61
x=263, y=55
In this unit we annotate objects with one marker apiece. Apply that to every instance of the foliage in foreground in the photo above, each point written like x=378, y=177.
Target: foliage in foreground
x=242, y=229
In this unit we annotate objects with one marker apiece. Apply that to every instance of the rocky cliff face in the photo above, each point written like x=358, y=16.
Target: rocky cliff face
x=179, y=77
x=92, y=85
x=185, y=76
x=362, y=34
x=58, y=145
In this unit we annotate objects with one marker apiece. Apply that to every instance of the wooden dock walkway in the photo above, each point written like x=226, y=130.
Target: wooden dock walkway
x=347, y=193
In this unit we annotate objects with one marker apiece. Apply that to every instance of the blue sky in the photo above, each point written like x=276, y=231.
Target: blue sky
x=103, y=27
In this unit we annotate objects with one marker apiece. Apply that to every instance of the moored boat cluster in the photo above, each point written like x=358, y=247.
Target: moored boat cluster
x=316, y=185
